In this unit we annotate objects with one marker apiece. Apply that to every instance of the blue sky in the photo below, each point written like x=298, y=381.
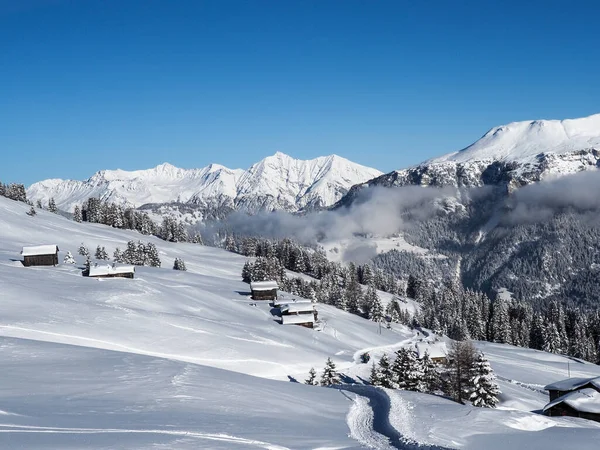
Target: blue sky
x=89, y=85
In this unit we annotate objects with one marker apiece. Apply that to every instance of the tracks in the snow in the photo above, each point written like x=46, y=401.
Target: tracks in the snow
x=369, y=420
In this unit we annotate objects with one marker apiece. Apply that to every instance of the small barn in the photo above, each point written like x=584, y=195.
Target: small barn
x=437, y=351
x=108, y=271
x=264, y=290
x=560, y=388
x=298, y=313
x=40, y=255
x=583, y=403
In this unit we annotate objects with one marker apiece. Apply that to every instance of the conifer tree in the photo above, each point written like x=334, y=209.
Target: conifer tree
x=83, y=251
x=38, y=204
x=77, y=214
x=101, y=253
x=179, y=264
x=431, y=376
x=68, y=259
x=484, y=390
x=382, y=375
x=52, y=206
x=118, y=255
x=312, y=377
x=330, y=375
x=32, y=212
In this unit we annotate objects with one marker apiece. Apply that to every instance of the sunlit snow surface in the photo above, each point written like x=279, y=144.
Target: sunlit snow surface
x=166, y=361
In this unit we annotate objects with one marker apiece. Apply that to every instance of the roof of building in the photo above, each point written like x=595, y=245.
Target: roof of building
x=297, y=319
x=288, y=301
x=584, y=400
x=434, y=349
x=571, y=384
x=297, y=307
x=264, y=285
x=110, y=270
x=38, y=250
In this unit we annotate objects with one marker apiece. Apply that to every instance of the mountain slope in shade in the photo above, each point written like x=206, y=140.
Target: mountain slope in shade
x=276, y=182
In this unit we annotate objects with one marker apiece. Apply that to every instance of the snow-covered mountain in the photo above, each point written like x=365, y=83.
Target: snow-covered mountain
x=512, y=155
x=278, y=182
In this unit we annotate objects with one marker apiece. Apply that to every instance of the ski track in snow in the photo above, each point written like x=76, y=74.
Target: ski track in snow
x=12, y=428
x=378, y=422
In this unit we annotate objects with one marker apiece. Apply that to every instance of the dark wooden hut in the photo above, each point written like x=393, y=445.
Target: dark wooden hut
x=264, y=290
x=40, y=255
x=303, y=314
x=560, y=388
x=583, y=403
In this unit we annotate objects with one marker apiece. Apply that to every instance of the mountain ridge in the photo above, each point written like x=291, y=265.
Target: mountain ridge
x=278, y=182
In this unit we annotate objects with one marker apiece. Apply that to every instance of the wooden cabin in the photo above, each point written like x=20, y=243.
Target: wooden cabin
x=437, y=351
x=583, y=403
x=563, y=387
x=108, y=271
x=303, y=314
x=264, y=290
x=40, y=255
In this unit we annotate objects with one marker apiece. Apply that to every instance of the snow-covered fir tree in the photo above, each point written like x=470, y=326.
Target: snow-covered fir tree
x=312, y=377
x=382, y=375
x=83, y=250
x=68, y=259
x=408, y=371
x=32, y=212
x=330, y=375
x=431, y=376
x=38, y=204
x=52, y=206
x=179, y=264
x=118, y=256
x=484, y=390
x=101, y=253
x=77, y=214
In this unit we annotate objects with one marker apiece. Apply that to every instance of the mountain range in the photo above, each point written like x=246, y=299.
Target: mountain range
x=278, y=182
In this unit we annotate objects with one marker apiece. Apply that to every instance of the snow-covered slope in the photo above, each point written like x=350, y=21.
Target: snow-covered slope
x=521, y=140
x=276, y=182
x=165, y=361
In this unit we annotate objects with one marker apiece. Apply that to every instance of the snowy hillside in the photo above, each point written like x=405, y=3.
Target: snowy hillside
x=276, y=182
x=521, y=140
x=166, y=360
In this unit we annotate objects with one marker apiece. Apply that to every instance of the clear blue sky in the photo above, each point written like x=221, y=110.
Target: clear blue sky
x=88, y=85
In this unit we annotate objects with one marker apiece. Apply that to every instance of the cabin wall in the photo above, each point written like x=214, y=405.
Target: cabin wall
x=40, y=260
x=265, y=295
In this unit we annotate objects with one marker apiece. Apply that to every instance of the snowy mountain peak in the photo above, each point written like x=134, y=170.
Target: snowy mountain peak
x=524, y=140
x=276, y=182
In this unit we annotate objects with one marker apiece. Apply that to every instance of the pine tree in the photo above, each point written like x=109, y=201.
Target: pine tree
x=375, y=306
x=118, y=255
x=179, y=264
x=83, y=251
x=484, y=390
x=101, y=253
x=152, y=255
x=460, y=362
x=69, y=259
x=77, y=214
x=32, y=212
x=52, y=206
x=330, y=375
x=197, y=239
x=247, y=272
x=407, y=371
x=38, y=204
x=382, y=375
x=431, y=376
x=312, y=377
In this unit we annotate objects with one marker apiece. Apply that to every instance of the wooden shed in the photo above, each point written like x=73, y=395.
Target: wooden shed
x=264, y=290
x=40, y=255
x=437, y=351
x=583, y=403
x=303, y=314
x=560, y=388
x=108, y=271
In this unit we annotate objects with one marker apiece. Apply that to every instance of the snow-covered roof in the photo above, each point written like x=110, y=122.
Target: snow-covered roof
x=110, y=270
x=584, y=400
x=297, y=307
x=288, y=301
x=571, y=384
x=297, y=319
x=39, y=250
x=435, y=349
x=264, y=285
